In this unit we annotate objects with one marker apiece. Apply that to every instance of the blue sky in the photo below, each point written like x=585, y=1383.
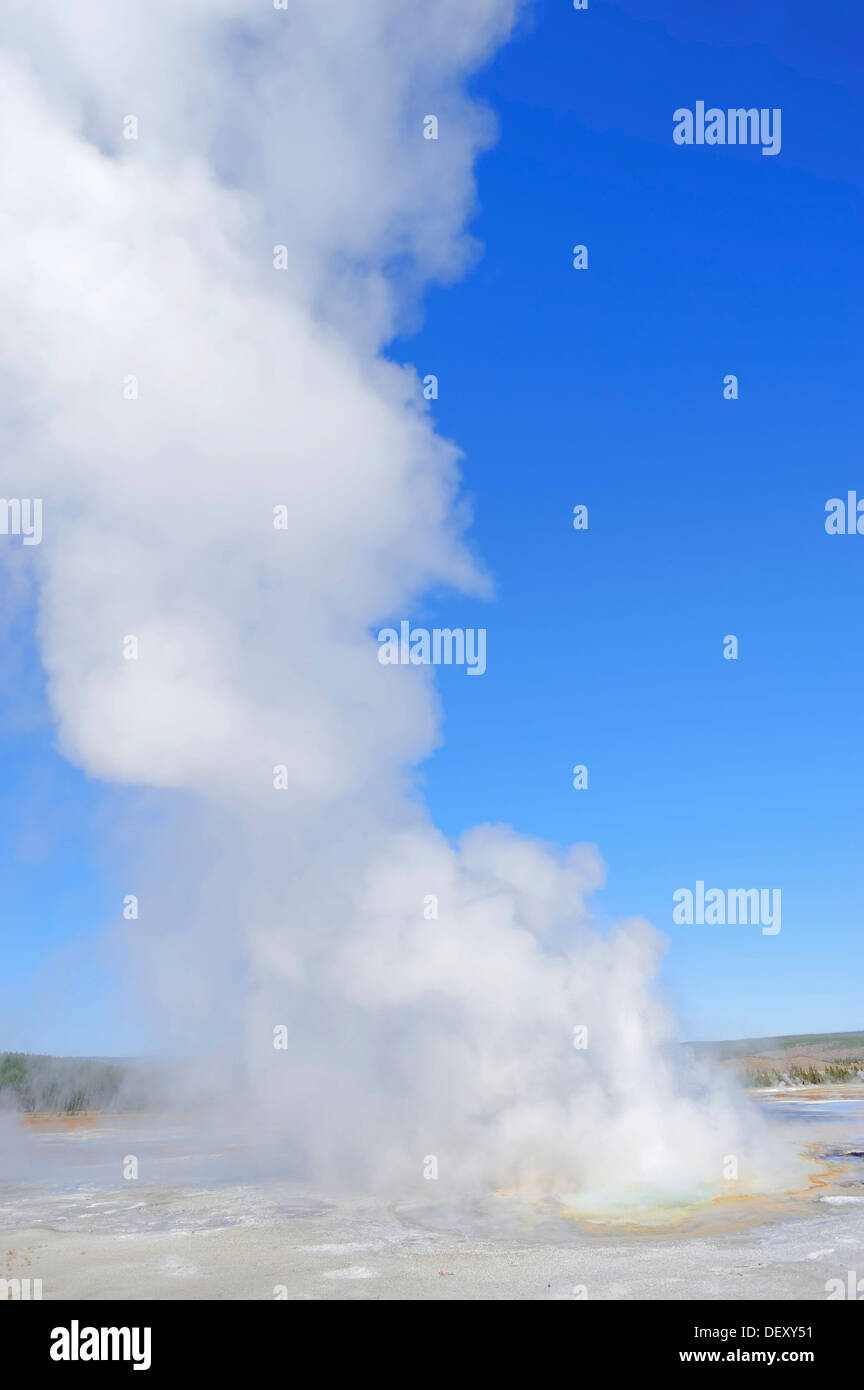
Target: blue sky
x=706, y=517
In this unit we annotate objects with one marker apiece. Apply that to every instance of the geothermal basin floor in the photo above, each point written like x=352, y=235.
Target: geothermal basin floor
x=220, y=1237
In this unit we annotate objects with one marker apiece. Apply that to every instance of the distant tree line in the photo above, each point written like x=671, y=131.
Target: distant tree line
x=829, y=1073
x=61, y=1085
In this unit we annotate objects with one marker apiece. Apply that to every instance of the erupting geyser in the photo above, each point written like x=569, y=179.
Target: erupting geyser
x=248, y=285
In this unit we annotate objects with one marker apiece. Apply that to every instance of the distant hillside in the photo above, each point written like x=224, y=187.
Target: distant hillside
x=36, y=1083
x=64, y=1085
x=797, y=1059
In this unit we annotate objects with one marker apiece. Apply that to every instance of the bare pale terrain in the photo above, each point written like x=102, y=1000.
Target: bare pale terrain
x=198, y=1228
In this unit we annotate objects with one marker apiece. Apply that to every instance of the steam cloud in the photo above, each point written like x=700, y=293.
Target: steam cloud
x=257, y=388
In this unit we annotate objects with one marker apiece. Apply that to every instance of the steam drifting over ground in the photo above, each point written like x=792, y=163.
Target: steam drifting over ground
x=167, y=388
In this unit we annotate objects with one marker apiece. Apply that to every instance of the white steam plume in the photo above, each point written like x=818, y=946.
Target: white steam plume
x=153, y=258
